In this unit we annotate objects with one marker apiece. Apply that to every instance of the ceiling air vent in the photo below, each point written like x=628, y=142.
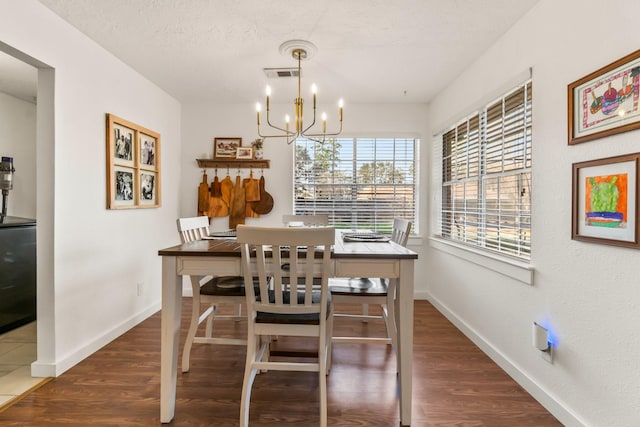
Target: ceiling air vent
x=280, y=73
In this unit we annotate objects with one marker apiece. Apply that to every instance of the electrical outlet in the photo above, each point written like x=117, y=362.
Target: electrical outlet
x=548, y=355
x=140, y=288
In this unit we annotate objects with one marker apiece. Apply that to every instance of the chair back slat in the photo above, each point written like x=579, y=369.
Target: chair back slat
x=401, y=230
x=193, y=228
x=265, y=252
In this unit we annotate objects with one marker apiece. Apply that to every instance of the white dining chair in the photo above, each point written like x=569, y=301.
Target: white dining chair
x=212, y=291
x=278, y=308
x=371, y=291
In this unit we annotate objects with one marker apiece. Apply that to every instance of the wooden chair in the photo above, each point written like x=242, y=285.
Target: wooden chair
x=278, y=310
x=366, y=291
x=210, y=290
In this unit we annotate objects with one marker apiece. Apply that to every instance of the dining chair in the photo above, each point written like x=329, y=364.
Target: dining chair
x=210, y=290
x=371, y=291
x=276, y=308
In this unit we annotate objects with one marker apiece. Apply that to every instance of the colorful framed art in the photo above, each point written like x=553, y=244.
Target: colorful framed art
x=605, y=201
x=605, y=102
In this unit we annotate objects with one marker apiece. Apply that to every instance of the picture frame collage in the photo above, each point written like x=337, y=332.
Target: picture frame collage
x=605, y=191
x=133, y=165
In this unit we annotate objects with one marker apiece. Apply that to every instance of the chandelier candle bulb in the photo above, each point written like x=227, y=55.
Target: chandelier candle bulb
x=324, y=122
x=314, y=91
x=268, y=96
x=258, y=112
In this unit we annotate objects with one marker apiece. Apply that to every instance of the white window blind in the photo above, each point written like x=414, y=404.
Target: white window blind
x=359, y=182
x=486, y=176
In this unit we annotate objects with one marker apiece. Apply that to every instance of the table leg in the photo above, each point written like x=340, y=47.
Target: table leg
x=170, y=326
x=404, y=322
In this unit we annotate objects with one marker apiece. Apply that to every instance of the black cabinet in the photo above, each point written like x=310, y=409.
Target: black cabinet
x=17, y=272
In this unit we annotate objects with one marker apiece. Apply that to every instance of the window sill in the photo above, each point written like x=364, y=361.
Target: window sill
x=518, y=270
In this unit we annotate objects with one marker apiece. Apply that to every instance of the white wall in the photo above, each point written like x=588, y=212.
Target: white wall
x=588, y=293
x=201, y=123
x=18, y=140
x=90, y=259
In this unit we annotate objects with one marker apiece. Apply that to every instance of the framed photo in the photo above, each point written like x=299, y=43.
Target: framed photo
x=122, y=184
x=147, y=182
x=245, y=153
x=133, y=165
x=605, y=201
x=226, y=148
x=122, y=145
x=605, y=102
x=148, y=151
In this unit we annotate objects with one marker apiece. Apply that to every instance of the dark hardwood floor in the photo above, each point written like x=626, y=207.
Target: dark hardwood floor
x=454, y=384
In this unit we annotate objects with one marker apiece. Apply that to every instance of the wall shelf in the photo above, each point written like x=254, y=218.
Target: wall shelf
x=233, y=163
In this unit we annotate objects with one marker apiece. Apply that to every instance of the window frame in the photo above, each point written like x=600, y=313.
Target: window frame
x=468, y=152
x=367, y=205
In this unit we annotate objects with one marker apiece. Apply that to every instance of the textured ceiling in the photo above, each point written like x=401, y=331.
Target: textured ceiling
x=369, y=51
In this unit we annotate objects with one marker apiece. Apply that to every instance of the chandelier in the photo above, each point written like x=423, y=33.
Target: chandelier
x=299, y=50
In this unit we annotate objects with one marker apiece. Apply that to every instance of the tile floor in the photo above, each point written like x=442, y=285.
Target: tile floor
x=17, y=352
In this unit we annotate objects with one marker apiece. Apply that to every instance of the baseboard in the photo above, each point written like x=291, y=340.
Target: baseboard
x=40, y=369
x=556, y=408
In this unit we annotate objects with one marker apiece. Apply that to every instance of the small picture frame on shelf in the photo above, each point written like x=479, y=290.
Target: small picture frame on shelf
x=226, y=148
x=244, y=153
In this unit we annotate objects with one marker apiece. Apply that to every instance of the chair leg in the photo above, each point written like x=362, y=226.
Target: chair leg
x=239, y=312
x=329, y=342
x=209, y=328
x=390, y=319
x=323, y=356
x=249, y=377
x=365, y=312
x=193, y=327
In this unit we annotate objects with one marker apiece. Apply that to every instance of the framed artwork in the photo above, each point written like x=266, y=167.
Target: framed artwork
x=605, y=102
x=122, y=145
x=605, y=201
x=226, y=148
x=121, y=182
x=133, y=165
x=245, y=153
x=148, y=151
x=147, y=192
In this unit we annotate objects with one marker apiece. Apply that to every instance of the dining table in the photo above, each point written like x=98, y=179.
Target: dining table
x=221, y=257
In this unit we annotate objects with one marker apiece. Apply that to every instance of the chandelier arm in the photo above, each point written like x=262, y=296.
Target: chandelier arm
x=288, y=132
x=313, y=122
x=279, y=136
x=336, y=133
x=285, y=135
x=320, y=141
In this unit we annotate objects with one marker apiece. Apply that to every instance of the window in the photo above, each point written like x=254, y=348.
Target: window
x=486, y=176
x=358, y=182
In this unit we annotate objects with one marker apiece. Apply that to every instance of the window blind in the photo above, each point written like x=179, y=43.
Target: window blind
x=360, y=183
x=486, y=176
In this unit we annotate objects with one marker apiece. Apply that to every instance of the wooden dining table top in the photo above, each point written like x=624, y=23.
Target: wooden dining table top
x=229, y=247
